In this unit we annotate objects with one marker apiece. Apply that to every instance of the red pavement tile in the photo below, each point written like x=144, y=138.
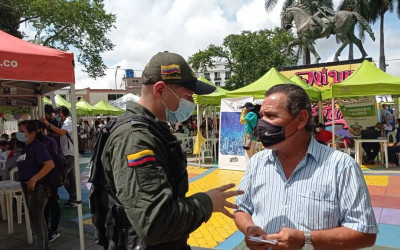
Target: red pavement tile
x=393, y=191
x=191, y=176
x=391, y=202
x=394, y=181
x=377, y=190
x=377, y=200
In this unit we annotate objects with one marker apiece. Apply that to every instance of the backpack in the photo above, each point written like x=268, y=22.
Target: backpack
x=58, y=175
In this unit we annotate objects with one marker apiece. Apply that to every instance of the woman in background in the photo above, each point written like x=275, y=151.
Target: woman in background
x=34, y=163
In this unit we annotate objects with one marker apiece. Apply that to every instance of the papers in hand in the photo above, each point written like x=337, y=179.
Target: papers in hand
x=260, y=239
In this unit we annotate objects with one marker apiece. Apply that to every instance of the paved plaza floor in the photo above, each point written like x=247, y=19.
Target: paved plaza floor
x=220, y=232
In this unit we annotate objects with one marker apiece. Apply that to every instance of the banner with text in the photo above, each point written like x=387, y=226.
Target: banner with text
x=359, y=113
x=231, y=153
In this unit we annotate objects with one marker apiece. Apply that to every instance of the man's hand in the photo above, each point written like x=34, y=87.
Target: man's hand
x=219, y=196
x=44, y=121
x=255, y=231
x=288, y=238
x=31, y=183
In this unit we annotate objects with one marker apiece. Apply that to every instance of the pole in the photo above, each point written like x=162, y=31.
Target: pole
x=320, y=111
x=77, y=168
x=198, y=129
x=115, y=79
x=333, y=122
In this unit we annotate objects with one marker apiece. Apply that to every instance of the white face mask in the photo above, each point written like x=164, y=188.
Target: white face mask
x=184, y=111
x=396, y=126
x=318, y=129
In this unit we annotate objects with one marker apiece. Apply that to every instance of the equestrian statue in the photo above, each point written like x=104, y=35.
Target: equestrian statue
x=322, y=24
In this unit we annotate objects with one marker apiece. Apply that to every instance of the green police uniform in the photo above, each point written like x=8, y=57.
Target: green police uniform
x=144, y=175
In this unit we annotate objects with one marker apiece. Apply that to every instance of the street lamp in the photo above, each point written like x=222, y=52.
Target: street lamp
x=39, y=27
x=116, y=69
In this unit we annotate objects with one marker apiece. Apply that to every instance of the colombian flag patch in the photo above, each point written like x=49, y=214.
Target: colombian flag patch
x=141, y=157
x=170, y=69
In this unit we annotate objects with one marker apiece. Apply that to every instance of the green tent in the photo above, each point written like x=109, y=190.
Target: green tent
x=365, y=81
x=258, y=88
x=84, y=107
x=60, y=101
x=213, y=98
x=46, y=100
x=108, y=108
x=313, y=93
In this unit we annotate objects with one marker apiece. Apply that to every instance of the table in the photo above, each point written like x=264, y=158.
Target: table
x=7, y=188
x=358, y=145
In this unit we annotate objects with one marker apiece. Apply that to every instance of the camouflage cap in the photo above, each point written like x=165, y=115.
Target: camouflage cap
x=171, y=68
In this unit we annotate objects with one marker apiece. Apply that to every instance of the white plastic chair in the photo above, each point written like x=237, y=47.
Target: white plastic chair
x=393, y=135
x=18, y=197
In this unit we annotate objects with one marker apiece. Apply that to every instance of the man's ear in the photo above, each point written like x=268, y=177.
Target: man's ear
x=159, y=89
x=303, y=117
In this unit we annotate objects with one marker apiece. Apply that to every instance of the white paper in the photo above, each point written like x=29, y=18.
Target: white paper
x=260, y=239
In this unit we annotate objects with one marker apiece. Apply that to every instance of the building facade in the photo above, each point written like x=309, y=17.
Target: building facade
x=218, y=75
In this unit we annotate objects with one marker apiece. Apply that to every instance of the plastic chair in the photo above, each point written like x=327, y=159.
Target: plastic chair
x=346, y=149
x=18, y=197
x=393, y=135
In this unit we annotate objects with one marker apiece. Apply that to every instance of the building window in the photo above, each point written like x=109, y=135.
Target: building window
x=227, y=75
x=207, y=76
x=217, y=76
x=218, y=84
x=113, y=97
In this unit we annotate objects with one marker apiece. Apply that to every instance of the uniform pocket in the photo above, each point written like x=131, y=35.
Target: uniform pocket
x=149, y=178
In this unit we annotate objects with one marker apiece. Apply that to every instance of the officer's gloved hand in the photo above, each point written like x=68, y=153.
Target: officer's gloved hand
x=219, y=196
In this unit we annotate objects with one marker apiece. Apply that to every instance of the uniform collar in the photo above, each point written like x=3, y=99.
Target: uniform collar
x=138, y=109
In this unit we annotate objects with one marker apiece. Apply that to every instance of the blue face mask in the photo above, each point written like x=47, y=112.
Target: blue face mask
x=21, y=137
x=184, y=111
x=57, y=118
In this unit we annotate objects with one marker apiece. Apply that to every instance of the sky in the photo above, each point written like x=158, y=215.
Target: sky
x=145, y=27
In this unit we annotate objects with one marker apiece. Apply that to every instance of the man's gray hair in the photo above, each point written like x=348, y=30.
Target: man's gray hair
x=296, y=100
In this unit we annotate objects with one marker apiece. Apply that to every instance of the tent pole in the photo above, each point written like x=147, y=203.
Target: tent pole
x=396, y=107
x=333, y=122
x=320, y=111
x=198, y=130
x=77, y=168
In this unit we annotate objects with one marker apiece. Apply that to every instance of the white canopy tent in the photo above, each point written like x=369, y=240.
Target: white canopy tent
x=121, y=102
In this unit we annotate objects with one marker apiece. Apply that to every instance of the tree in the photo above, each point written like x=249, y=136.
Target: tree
x=248, y=55
x=67, y=24
x=378, y=9
x=10, y=16
x=312, y=5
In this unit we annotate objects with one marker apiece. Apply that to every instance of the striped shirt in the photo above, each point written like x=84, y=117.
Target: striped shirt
x=326, y=190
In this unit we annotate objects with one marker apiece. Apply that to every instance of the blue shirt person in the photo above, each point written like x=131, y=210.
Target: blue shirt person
x=298, y=191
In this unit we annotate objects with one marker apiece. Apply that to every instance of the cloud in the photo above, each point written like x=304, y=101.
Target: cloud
x=144, y=28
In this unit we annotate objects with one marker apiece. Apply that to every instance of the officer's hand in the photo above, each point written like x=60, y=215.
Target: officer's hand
x=219, y=196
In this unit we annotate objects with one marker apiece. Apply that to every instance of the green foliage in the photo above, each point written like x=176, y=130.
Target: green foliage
x=9, y=18
x=79, y=24
x=248, y=55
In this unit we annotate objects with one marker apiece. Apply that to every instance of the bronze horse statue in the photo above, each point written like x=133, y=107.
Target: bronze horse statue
x=309, y=28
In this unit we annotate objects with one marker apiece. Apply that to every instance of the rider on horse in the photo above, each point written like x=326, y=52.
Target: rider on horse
x=324, y=18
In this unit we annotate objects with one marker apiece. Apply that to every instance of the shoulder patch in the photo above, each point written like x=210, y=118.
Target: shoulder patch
x=141, y=157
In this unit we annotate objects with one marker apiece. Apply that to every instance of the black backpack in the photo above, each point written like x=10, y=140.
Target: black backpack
x=58, y=175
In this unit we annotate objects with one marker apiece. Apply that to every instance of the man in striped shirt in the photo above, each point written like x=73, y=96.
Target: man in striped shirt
x=298, y=191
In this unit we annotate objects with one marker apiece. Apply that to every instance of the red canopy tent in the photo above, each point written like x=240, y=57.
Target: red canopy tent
x=28, y=69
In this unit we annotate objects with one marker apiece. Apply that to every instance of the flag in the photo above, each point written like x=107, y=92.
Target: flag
x=200, y=141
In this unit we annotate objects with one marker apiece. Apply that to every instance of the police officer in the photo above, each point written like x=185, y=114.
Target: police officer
x=147, y=172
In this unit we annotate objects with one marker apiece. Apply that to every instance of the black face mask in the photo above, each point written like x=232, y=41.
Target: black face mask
x=270, y=134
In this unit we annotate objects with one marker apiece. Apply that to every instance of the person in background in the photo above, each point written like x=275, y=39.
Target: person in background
x=33, y=164
x=12, y=161
x=298, y=192
x=249, y=118
x=67, y=147
x=394, y=150
x=54, y=120
x=52, y=206
x=322, y=136
x=372, y=149
x=4, y=152
x=4, y=137
x=180, y=129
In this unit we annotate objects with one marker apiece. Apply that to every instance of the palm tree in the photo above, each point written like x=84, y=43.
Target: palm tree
x=377, y=11
x=311, y=4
